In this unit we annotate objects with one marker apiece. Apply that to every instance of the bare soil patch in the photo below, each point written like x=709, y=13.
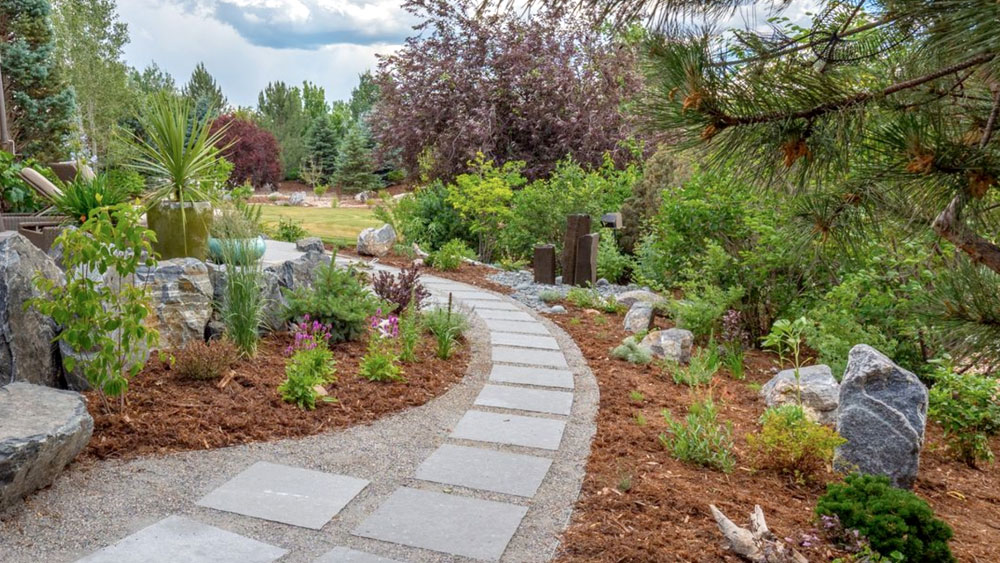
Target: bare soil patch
x=168, y=413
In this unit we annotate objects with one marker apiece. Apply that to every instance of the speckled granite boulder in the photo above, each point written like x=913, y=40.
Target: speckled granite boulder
x=630, y=298
x=42, y=431
x=882, y=415
x=639, y=317
x=26, y=349
x=819, y=390
x=310, y=244
x=673, y=344
x=376, y=242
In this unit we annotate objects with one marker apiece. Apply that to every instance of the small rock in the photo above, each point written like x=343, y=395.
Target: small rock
x=320, y=391
x=557, y=309
x=297, y=198
x=630, y=298
x=558, y=280
x=603, y=282
x=882, y=415
x=673, y=344
x=310, y=244
x=376, y=242
x=819, y=389
x=43, y=430
x=364, y=196
x=639, y=317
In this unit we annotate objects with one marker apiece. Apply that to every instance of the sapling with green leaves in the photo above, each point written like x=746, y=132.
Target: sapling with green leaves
x=102, y=309
x=789, y=335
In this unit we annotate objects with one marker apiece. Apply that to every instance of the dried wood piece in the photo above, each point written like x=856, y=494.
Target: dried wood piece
x=756, y=544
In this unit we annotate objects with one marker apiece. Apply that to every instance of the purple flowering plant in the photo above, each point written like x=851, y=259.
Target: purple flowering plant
x=386, y=326
x=309, y=335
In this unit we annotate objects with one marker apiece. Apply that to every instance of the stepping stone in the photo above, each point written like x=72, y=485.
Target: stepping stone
x=290, y=495
x=176, y=539
x=528, y=431
x=517, y=326
x=527, y=356
x=522, y=398
x=477, y=295
x=487, y=470
x=479, y=305
x=532, y=376
x=451, y=524
x=523, y=340
x=505, y=315
x=348, y=555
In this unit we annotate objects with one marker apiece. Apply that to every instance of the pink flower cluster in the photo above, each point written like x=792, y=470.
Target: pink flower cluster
x=309, y=335
x=385, y=327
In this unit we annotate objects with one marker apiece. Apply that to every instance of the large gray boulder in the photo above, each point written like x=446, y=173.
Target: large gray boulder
x=297, y=198
x=289, y=275
x=882, y=415
x=27, y=351
x=43, y=429
x=630, y=298
x=639, y=317
x=310, y=244
x=182, y=295
x=673, y=344
x=820, y=392
x=376, y=242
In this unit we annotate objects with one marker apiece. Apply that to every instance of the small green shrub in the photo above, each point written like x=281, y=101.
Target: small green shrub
x=289, y=230
x=81, y=197
x=446, y=326
x=893, y=520
x=702, y=308
x=379, y=362
x=630, y=351
x=409, y=334
x=336, y=298
x=700, y=439
x=509, y=264
x=425, y=217
x=451, y=255
x=310, y=364
x=549, y=296
x=791, y=443
x=967, y=406
x=612, y=265
x=733, y=359
x=205, y=360
x=590, y=298
x=701, y=369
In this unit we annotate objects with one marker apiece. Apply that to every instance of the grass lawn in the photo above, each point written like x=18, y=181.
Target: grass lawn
x=335, y=225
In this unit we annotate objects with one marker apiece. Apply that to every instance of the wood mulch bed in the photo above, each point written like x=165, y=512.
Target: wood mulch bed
x=640, y=504
x=473, y=274
x=167, y=413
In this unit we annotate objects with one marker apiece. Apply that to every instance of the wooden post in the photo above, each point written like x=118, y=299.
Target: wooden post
x=545, y=264
x=576, y=226
x=586, y=259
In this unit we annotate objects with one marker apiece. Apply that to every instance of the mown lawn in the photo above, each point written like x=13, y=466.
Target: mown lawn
x=339, y=225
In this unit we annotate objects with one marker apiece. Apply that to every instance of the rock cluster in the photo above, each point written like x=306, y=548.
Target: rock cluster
x=818, y=389
x=882, y=415
x=43, y=430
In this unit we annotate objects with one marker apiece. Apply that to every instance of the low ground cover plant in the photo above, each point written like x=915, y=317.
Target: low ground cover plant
x=700, y=438
x=310, y=365
x=791, y=443
x=338, y=299
x=205, y=360
x=105, y=320
x=630, y=351
x=967, y=406
x=590, y=298
x=893, y=520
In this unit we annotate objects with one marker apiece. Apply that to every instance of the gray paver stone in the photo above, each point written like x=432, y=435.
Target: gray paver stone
x=487, y=470
x=525, y=399
x=522, y=375
x=528, y=431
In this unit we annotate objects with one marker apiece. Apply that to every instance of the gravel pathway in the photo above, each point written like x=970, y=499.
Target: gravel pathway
x=488, y=471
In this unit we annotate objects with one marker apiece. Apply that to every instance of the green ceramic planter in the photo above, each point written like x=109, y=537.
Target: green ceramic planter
x=177, y=236
x=247, y=251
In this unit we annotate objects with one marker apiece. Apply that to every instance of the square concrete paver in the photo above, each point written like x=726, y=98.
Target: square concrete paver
x=523, y=340
x=348, y=555
x=528, y=431
x=525, y=399
x=516, y=326
x=478, y=295
x=479, y=304
x=176, y=539
x=528, y=356
x=487, y=470
x=522, y=375
x=505, y=315
x=290, y=495
x=452, y=524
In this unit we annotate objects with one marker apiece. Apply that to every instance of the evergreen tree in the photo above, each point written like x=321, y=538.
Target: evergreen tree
x=204, y=92
x=363, y=96
x=90, y=40
x=40, y=104
x=282, y=112
x=322, y=143
x=355, y=166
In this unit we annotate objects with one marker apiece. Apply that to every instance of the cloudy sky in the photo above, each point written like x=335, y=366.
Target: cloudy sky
x=247, y=43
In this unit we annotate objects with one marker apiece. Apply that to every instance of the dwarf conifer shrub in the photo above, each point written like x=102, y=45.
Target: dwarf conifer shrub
x=893, y=520
x=337, y=298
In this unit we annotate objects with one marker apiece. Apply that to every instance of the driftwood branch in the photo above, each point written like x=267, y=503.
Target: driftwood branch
x=755, y=544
